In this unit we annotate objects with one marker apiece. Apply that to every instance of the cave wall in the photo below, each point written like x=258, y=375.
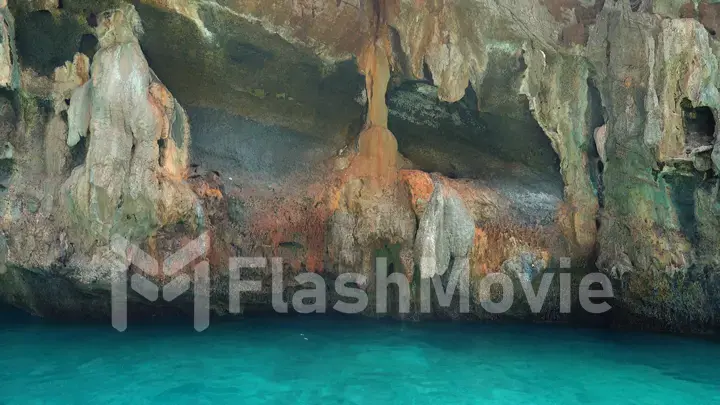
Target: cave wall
x=329, y=133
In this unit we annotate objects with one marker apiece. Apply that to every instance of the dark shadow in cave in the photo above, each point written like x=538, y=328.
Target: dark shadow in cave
x=596, y=120
x=248, y=71
x=45, y=42
x=699, y=125
x=262, y=112
x=79, y=151
x=511, y=155
x=92, y=20
x=88, y=45
x=682, y=192
x=427, y=73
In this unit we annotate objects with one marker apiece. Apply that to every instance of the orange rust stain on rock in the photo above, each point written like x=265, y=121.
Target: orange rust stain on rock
x=162, y=95
x=497, y=242
x=161, y=98
x=313, y=263
x=377, y=157
x=373, y=62
x=334, y=196
x=205, y=191
x=379, y=147
x=421, y=188
x=172, y=159
x=478, y=253
x=627, y=82
x=273, y=221
x=82, y=68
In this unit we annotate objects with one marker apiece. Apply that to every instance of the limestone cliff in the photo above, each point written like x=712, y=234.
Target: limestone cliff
x=491, y=136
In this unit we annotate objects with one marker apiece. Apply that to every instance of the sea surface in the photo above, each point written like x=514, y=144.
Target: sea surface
x=325, y=360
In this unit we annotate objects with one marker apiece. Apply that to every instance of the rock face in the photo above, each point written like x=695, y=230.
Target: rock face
x=644, y=83
x=137, y=152
x=373, y=212
x=446, y=231
x=557, y=90
x=480, y=136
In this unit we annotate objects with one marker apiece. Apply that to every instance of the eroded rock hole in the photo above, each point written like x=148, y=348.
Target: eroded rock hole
x=699, y=125
x=6, y=170
x=427, y=73
x=92, y=20
x=470, y=101
x=162, y=144
x=79, y=151
x=521, y=64
x=596, y=110
x=88, y=45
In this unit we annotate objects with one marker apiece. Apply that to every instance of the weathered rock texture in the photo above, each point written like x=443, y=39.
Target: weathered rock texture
x=644, y=82
x=446, y=231
x=131, y=181
x=557, y=90
x=582, y=129
x=373, y=212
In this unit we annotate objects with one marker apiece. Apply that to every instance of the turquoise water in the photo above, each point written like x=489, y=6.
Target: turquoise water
x=351, y=361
